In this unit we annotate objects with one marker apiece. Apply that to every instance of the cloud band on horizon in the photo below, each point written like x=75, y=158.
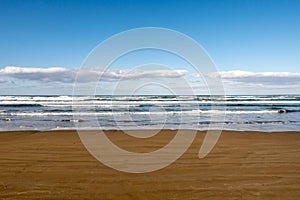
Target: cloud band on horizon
x=235, y=82
x=66, y=75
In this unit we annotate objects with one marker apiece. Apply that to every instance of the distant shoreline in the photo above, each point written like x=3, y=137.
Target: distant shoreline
x=119, y=130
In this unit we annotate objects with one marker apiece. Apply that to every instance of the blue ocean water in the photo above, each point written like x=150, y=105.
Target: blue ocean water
x=264, y=112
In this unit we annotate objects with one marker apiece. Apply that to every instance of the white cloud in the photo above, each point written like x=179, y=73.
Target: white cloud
x=116, y=75
x=235, y=82
x=21, y=70
x=65, y=75
x=54, y=74
x=273, y=78
x=245, y=74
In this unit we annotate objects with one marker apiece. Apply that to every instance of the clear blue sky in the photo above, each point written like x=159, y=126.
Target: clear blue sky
x=255, y=35
x=247, y=35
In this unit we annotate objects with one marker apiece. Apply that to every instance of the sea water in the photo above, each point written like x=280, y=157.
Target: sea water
x=202, y=112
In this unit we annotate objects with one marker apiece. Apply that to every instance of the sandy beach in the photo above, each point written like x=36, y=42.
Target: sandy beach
x=243, y=165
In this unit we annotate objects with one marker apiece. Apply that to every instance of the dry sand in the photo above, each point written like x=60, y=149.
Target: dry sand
x=243, y=165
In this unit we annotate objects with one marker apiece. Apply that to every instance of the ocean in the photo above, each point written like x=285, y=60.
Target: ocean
x=237, y=112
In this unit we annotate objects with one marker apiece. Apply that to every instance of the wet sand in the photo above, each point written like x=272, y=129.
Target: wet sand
x=243, y=165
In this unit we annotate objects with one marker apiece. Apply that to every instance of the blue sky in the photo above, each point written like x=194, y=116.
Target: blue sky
x=255, y=36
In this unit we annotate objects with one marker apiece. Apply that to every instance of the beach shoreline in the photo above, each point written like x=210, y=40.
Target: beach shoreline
x=243, y=165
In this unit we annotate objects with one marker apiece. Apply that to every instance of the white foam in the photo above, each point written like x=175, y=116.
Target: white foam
x=107, y=113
